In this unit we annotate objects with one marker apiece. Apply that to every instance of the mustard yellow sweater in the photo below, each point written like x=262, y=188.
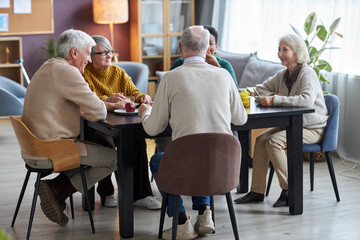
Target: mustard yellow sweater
x=112, y=80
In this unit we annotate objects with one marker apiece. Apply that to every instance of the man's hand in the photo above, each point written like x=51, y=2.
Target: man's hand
x=143, y=107
x=110, y=106
x=146, y=99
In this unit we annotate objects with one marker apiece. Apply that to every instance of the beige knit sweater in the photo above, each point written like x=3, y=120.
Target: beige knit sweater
x=56, y=99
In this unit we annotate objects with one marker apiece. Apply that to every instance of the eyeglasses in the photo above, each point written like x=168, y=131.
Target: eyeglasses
x=104, y=53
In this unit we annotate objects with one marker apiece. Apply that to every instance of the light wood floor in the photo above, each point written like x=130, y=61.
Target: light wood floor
x=323, y=217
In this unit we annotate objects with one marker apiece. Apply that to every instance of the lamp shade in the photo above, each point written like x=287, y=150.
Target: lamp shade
x=110, y=11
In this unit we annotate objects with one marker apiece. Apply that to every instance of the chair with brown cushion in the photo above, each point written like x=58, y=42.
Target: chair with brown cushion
x=204, y=164
x=63, y=154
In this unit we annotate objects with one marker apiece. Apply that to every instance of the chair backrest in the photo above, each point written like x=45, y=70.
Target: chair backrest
x=202, y=164
x=64, y=153
x=139, y=73
x=13, y=87
x=330, y=138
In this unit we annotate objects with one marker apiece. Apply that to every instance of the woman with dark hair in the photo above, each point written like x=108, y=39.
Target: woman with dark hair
x=210, y=56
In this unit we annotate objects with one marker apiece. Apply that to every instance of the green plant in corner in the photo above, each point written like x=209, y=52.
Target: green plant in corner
x=312, y=31
x=50, y=50
x=4, y=235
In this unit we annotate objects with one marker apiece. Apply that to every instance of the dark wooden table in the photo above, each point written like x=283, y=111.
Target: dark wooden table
x=126, y=129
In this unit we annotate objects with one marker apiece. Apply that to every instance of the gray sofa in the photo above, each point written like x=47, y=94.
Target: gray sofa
x=249, y=69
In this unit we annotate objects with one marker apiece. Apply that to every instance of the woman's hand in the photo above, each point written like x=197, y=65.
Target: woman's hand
x=111, y=106
x=211, y=59
x=116, y=97
x=143, y=107
x=146, y=99
x=267, y=101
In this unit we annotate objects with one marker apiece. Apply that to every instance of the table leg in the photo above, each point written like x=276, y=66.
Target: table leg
x=295, y=164
x=125, y=168
x=243, y=186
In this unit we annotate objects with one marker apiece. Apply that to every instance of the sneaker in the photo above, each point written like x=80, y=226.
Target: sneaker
x=204, y=222
x=52, y=209
x=184, y=231
x=111, y=201
x=150, y=202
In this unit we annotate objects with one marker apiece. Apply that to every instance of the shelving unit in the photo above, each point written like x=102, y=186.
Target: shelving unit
x=155, y=30
x=10, y=51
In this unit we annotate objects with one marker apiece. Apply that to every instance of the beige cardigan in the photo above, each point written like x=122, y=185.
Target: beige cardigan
x=56, y=99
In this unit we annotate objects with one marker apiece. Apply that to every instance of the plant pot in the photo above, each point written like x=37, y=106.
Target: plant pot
x=318, y=156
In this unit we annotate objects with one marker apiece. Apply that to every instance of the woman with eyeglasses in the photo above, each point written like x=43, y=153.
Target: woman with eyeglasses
x=111, y=84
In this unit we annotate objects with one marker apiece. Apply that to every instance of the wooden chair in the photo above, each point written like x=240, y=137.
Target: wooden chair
x=328, y=144
x=64, y=156
x=203, y=164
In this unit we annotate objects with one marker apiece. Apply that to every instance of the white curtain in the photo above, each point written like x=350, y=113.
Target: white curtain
x=256, y=26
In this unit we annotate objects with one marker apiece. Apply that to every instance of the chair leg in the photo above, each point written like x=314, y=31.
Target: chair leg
x=162, y=213
x=332, y=175
x=212, y=208
x=232, y=215
x=175, y=217
x=271, y=174
x=72, y=206
x=87, y=198
x=26, y=180
x=311, y=164
x=33, y=205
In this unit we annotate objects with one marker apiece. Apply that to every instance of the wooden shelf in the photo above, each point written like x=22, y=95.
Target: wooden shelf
x=11, y=51
x=155, y=29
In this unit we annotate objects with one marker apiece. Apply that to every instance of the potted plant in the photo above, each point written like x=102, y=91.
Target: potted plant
x=314, y=31
x=50, y=50
x=320, y=32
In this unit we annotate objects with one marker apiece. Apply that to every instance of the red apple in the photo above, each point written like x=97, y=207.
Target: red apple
x=129, y=107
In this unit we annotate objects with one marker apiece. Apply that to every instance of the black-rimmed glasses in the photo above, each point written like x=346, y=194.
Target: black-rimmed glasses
x=104, y=53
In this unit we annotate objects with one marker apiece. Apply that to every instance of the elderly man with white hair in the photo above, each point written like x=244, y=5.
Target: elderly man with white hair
x=196, y=97
x=56, y=98
x=298, y=86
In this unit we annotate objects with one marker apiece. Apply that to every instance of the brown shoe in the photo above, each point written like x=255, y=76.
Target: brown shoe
x=250, y=197
x=49, y=204
x=283, y=200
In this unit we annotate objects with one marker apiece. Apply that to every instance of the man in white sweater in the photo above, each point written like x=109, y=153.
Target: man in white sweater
x=194, y=98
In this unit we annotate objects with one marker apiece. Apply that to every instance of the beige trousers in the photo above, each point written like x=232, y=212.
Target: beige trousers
x=101, y=159
x=271, y=145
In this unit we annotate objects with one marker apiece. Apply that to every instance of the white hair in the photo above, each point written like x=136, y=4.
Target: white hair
x=298, y=46
x=195, y=39
x=73, y=39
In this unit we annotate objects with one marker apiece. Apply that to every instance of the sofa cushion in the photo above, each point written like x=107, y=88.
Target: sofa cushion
x=257, y=71
x=237, y=60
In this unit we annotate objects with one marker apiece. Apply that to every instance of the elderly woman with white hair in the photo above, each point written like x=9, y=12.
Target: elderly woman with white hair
x=295, y=86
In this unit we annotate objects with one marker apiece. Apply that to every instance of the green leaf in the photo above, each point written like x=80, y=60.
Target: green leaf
x=310, y=23
x=334, y=25
x=312, y=52
x=323, y=79
x=321, y=32
x=317, y=71
x=307, y=43
x=324, y=65
x=296, y=31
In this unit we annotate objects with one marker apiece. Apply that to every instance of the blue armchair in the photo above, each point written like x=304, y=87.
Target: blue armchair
x=328, y=144
x=139, y=73
x=12, y=97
